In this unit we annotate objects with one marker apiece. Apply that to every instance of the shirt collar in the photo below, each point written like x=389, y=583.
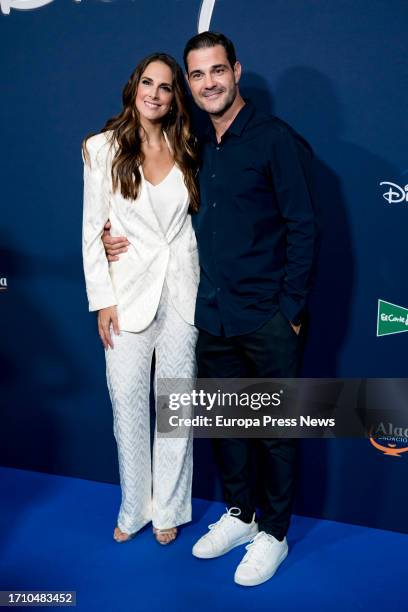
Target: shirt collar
x=239, y=123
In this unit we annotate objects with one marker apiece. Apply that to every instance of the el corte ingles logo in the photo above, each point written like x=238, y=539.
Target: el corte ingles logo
x=391, y=319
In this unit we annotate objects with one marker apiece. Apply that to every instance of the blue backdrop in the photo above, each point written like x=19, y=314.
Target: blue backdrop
x=337, y=72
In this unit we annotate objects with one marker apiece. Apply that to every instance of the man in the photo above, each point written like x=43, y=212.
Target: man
x=256, y=237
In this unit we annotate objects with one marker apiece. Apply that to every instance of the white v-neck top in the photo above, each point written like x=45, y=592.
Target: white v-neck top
x=167, y=197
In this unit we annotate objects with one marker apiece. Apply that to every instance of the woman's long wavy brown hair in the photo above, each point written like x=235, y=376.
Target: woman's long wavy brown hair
x=126, y=134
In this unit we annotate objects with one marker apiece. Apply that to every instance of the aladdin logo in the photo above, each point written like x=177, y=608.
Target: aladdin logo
x=204, y=16
x=395, y=193
x=390, y=440
x=391, y=319
x=3, y=284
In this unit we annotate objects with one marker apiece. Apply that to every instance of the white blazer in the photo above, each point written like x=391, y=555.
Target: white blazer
x=134, y=283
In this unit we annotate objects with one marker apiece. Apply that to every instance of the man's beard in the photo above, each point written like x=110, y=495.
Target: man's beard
x=227, y=104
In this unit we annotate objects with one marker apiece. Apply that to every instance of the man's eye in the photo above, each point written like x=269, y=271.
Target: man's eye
x=219, y=70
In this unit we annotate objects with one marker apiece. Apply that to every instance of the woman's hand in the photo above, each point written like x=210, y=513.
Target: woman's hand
x=106, y=318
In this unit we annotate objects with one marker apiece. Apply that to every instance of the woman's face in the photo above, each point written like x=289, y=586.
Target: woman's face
x=155, y=92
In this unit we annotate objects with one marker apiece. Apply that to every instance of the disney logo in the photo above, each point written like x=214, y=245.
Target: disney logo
x=22, y=5
x=395, y=193
x=204, y=16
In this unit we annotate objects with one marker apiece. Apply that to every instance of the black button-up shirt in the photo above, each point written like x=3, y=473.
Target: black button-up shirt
x=256, y=225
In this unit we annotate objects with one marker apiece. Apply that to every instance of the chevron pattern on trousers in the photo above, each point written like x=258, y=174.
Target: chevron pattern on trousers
x=157, y=488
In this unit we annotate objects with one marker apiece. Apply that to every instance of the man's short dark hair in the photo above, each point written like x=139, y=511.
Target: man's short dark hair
x=210, y=39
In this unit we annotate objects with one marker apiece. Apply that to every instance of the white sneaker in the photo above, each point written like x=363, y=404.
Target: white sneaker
x=228, y=532
x=264, y=556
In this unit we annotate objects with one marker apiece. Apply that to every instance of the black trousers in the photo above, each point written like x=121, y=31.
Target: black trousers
x=272, y=351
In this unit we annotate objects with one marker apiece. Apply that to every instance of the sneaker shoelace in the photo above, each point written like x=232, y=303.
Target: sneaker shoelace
x=257, y=548
x=224, y=520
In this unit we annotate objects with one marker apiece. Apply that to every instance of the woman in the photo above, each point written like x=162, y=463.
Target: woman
x=139, y=172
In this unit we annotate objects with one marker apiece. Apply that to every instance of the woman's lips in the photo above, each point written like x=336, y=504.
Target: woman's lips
x=152, y=105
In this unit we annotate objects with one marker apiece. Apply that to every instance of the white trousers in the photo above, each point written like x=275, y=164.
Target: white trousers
x=157, y=490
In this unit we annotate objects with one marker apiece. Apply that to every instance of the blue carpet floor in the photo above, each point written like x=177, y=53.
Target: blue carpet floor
x=56, y=535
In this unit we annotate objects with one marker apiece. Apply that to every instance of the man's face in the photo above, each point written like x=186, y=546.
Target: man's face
x=213, y=82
